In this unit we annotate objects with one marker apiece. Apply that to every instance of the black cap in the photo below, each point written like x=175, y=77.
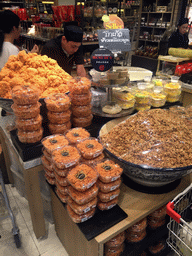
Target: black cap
x=73, y=33
x=183, y=21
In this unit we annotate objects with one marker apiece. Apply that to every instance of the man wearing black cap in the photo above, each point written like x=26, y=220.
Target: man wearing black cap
x=67, y=49
x=179, y=39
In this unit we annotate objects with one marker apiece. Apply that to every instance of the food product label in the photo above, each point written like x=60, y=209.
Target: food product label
x=114, y=178
x=96, y=154
x=86, y=218
x=87, y=209
x=114, y=187
x=111, y=206
x=69, y=164
x=113, y=196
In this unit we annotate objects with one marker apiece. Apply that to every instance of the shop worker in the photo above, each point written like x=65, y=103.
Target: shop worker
x=9, y=31
x=179, y=39
x=67, y=49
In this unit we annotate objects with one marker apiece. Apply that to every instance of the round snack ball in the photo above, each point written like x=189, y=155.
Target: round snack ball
x=82, y=177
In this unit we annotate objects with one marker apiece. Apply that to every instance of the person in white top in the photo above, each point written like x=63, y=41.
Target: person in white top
x=9, y=31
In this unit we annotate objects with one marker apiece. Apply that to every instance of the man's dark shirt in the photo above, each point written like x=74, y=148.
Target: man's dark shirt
x=54, y=50
x=177, y=40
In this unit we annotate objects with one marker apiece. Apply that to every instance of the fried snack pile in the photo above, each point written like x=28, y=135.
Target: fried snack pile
x=40, y=71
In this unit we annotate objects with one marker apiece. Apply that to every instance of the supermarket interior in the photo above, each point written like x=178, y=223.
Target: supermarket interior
x=95, y=128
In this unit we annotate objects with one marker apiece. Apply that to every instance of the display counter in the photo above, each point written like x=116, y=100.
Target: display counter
x=136, y=204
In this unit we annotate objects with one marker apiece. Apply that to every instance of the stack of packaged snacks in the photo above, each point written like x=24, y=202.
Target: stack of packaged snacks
x=137, y=232
x=64, y=159
x=80, y=95
x=157, y=218
x=82, y=200
x=50, y=143
x=109, y=182
x=75, y=135
x=26, y=108
x=59, y=113
x=115, y=246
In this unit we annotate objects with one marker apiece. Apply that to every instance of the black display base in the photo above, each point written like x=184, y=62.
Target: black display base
x=150, y=190
x=100, y=222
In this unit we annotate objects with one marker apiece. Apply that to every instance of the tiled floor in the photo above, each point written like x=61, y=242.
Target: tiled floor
x=48, y=246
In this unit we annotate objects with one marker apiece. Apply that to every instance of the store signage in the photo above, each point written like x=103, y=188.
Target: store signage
x=116, y=40
x=102, y=59
x=112, y=22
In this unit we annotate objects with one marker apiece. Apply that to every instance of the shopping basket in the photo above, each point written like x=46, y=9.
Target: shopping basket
x=180, y=225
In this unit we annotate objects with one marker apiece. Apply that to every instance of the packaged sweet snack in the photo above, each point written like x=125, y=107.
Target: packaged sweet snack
x=81, y=99
x=47, y=155
x=108, y=205
x=59, y=102
x=107, y=187
x=154, y=223
x=106, y=197
x=134, y=237
x=116, y=241
x=108, y=171
x=84, y=196
x=30, y=137
x=59, y=117
x=59, y=128
x=49, y=179
x=142, y=107
x=82, y=177
x=49, y=173
x=28, y=125
x=80, y=218
x=25, y=95
x=81, y=85
x=46, y=163
x=62, y=189
x=81, y=209
x=61, y=180
x=159, y=213
x=82, y=121
x=90, y=148
x=61, y=172
x=26, y=111
x=94, y=160
x=114, y=251
x=172, y=89
x=138, y=227
x=158, y=99
x=53, y=142
x=81, y=111
x=157, y=247
x=171, y=98
x=62, y=197
x=65, y=157
x=77, y=134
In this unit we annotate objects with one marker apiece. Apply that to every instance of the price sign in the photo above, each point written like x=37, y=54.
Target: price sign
x=114, y=39
x=102, y=59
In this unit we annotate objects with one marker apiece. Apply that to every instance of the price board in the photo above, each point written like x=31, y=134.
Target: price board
x=102, y=59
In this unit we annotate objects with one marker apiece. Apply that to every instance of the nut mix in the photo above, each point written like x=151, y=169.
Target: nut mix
x=90, y=148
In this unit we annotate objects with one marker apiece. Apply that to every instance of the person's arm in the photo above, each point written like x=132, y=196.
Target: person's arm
x=81, y=70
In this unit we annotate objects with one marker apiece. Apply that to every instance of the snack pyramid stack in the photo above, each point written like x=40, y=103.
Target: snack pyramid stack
x=109, y=182
x=59, y=113
x=51, y=143
x=26, y=108
x=80, y=95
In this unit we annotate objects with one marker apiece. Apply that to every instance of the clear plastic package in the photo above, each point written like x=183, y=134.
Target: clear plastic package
x=92, y=161
x=77, y=134
x=61, y=196
x=29, y=124
x=80, y=218
x=106, y=197
x=65, y=157
x=142, y=107
x=25, y=95
x=81, y=99
x=82, y=177
x=49, y=173
x=82, y=121
x=81, y=111
x=46, y=163
x=138, y=227
x=158, y=99
x=123, y=72
x=116, y=241
x=136, y=237
x=53, y=142
x=108, y=171
x=59, y=117
x=172, y=89
x=173, y=98
x=30, y=137
x=82, y=209
x=158, y=247
x=159, y=213
x=107, y=187
x=113, y=75
x=84, y=196
x=49, y=179
x=62, y=189
x=61, y=180
x=114, y=251
x=59, y=102
x=90, y=148
x=108, y=205
x=59, y=128
x=61, y=172
x=26, y=111
x=154, y=223
x=81, y=85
